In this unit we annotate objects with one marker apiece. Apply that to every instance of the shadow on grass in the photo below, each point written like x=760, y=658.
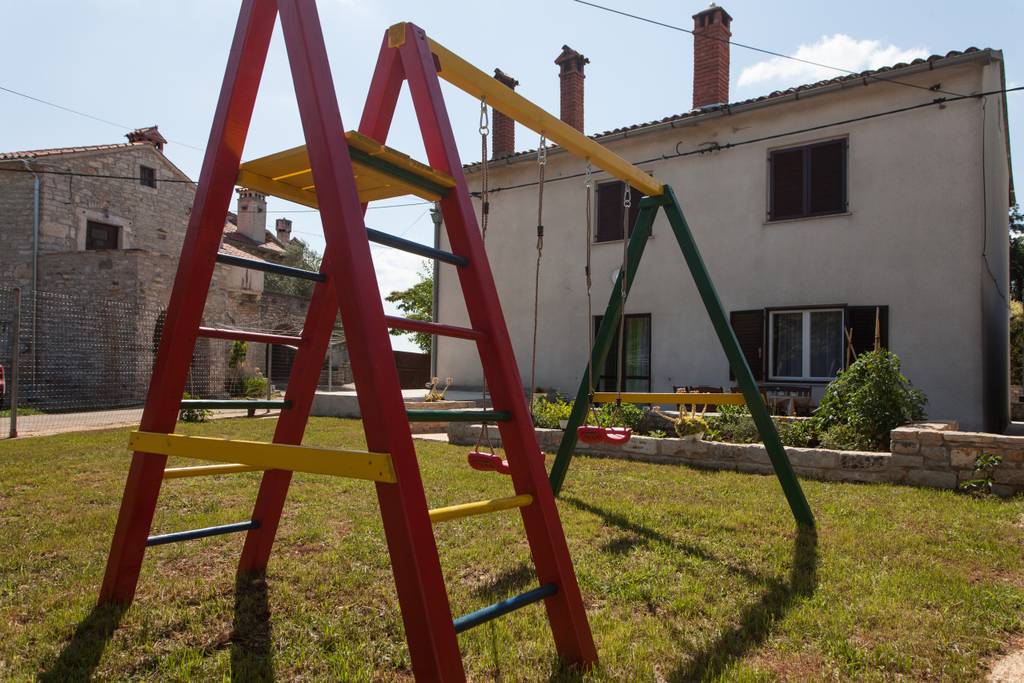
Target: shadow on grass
x=638, y=535
x=252, y=656
x=506, y=584
x=81, y=655
x=755, y=620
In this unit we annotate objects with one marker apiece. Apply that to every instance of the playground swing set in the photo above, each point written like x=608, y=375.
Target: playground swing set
x=339, y=174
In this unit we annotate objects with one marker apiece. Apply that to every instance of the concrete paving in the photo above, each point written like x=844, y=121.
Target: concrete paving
x=60, y=423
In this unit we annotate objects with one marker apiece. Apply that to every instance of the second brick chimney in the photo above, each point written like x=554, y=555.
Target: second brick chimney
x=570, y=75
x=283, y=227
x=711, y=34
x=252, y=214
x=503, y=129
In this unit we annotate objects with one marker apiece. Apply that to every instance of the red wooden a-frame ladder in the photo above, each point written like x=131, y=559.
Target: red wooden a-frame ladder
x=347, y=281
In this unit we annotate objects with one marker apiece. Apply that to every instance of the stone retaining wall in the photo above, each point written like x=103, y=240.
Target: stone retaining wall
x=927, y=454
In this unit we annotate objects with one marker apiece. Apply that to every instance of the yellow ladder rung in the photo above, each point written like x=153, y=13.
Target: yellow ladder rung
x=480, y=507
x=269, y=456
x=207, y=470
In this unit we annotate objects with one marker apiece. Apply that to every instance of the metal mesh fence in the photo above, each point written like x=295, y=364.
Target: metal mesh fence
x=85, y=363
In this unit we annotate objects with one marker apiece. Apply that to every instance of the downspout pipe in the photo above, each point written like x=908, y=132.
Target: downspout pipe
x=35, y=253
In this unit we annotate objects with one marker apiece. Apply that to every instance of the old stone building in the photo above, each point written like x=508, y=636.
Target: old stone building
x=92, y=236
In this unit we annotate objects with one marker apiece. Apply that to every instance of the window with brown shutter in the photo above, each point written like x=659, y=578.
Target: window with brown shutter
x=749, y=329
x=807, y=181
x=860, y=321
x=610, y=197
x=100, y=235
x=147, y=176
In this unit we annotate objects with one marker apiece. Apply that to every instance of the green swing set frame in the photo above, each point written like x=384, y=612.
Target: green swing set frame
x=649, y=207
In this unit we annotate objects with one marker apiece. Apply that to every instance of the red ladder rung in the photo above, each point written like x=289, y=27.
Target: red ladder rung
x=433, y=328
x=244, y=335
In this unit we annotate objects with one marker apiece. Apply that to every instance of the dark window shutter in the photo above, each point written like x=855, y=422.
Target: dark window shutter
x=749, y=329
x=609, y=211
x=861, y=321
x=828, y=177
x=787, y=184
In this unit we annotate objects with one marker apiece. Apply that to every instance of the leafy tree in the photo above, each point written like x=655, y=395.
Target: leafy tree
x=1016, y=341
x=297, y=255
x=417, y=303
x=1016, y=253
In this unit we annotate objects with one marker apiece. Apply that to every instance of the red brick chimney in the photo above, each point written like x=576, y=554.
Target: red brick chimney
x=503, y=129
x=711, y=33
x=570, y=74
x=150, y=134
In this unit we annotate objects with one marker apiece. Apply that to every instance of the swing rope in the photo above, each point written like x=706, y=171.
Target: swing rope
x=587, y=238
x=627, y=202
x=485, y=202
x=542, y=161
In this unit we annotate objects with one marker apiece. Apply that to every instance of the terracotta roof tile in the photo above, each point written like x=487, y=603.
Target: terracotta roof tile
x=36, y=153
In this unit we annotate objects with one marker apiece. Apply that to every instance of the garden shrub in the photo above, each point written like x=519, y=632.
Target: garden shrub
x=869, y=399
x=547, y=413
x=734, y=424
x=254, y=386
x=843, y=437
x=194, y=414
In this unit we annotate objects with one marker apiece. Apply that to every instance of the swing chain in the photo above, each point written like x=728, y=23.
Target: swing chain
x=542, y=158
x=485, y=204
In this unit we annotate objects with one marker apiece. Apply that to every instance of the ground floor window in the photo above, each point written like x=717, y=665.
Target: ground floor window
x=806, y=345
x=636, y=356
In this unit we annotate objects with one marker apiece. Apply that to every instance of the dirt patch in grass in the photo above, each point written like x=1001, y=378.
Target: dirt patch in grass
x=1008, y=668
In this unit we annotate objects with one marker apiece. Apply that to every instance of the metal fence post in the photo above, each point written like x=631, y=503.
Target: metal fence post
x=15, y=349
x=270, y=382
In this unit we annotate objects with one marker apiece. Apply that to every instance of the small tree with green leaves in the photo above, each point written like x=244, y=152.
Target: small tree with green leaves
x=297, y=255
x=867, y=401
x=417, y=303
x=1016, y=253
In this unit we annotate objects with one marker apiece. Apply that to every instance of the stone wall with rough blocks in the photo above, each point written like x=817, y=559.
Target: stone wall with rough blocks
x=925, y=454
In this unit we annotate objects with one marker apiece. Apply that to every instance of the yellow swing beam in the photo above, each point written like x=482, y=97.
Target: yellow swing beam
x=475, y=82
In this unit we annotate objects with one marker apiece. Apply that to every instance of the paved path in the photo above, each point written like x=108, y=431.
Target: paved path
x=43, y=425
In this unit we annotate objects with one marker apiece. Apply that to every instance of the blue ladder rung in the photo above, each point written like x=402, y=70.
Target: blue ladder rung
x=202, y=533
x=482, y=616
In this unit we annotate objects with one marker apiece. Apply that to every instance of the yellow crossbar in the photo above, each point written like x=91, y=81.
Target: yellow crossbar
x=698, y=399
x=207, y=470
x=481, y=507
x=269, y=456
x=475, y=82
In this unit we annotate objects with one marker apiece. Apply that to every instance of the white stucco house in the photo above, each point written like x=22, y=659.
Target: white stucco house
x=816, y=209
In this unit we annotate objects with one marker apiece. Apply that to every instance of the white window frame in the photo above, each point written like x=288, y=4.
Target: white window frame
x=805, y=341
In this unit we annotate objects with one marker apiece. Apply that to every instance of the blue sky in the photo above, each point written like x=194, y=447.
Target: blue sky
x=161, y=62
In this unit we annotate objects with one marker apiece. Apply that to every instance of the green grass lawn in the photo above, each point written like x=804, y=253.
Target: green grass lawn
x=687, y=575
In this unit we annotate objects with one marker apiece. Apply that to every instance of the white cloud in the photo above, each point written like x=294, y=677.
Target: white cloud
x=838, y=50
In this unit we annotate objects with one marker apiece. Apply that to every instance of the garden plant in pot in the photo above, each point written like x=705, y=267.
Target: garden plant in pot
x=691, y=427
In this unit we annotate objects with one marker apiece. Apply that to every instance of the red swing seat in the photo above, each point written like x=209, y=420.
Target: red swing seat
x=487, y=462
x=610, y=435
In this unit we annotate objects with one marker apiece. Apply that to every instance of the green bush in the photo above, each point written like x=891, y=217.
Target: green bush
x=625, y=415
x=985, y=466
x=547, y=413
x=734, y=424
x=194, y=414
x=843, y=437
x=254, y=386
x=870, y=399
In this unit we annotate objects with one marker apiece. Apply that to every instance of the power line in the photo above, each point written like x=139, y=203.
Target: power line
x=88, y=116
x=765, y=51
x=939, y=101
